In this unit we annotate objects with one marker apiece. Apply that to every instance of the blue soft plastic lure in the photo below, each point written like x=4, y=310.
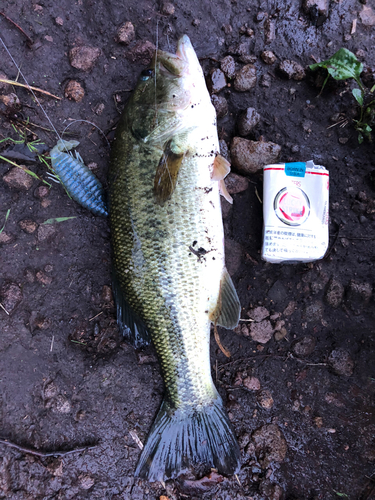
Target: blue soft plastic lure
x=81, y=184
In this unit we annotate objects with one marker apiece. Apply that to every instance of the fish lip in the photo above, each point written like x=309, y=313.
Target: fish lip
x=184, y=46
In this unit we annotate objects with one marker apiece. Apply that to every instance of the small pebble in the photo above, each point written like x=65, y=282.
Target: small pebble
x=268, y=57
x=84, y=57
x=261, y=332
x=142, y=52
x=228, y=66
x=249, y=157
x=220, y=104
x=17, y=178
x=74, y=91
x=304, y=346
x=246, y=78
x=270, y=444
x=28, y=225
x=125, y=33
x=216, y=81
x=59, y=21
x=335, y=293
x=292, y=70
x=341, y=362
x=43, y=278
x=269, y=31
x=236, y=183
x=247, y=120
x=167, y=9
x=10, y=296
x=252, y=383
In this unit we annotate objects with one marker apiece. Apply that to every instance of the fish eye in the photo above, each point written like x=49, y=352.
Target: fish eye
x=146, y=74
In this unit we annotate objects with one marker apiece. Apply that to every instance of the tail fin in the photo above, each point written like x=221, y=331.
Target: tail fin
x=186, y=439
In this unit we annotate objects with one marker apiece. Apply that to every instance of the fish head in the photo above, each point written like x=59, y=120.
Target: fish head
x=165, y=91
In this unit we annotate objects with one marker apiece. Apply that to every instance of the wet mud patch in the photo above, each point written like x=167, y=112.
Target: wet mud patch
x=299, y=386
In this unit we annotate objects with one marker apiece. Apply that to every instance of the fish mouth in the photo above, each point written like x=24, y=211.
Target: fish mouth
x=177, y=64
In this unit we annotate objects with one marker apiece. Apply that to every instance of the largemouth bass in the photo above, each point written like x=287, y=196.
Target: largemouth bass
x=171, y=283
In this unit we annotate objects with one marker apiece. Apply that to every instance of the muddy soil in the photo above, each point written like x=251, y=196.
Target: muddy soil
x=302, y=399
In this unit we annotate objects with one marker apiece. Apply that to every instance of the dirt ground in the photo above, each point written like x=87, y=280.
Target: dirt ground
x=301, y=402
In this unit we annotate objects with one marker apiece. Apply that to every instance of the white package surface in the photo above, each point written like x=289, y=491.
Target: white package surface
x=295, y=212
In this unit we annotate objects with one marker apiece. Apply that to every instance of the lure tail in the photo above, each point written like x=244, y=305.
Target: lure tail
x=187, y=439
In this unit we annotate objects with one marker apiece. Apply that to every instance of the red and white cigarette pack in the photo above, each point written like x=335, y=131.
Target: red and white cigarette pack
x=295, y=212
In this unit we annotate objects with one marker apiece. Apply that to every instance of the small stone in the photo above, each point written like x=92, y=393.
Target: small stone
x=268, y=57
x=227, y=28
x=50, y=391
x=216, y=81
x=41, y=192
x=11, y=100
x=38, y=322
x=281, y=334
x=269, y=31
x=92, y=165
x=10, y=296
x=261, y=16
x=335, y=293
x=265, y=399
x=99, y=108
x=6, y=238
x=84, y=57
x=107, y=294
x=224, y=150
x=167, y=9
x=74, y=91
x=196, y=22
x=250, y=156
x=45, y=232
x=317, y=10
x=252, y=383
x=318, y=422
x=86, y=482
x=270, y=444
x=28, y=225
x=246, y=78
x=261, y=332
x=126, y=33
x=236, y=183
x=292, y=70
x=313, y=312
x=341, y=362
x=48, y=268
x=304, y=346
x=228, y=66
x=29, y=276
x=59, y=21
x=220, y=104
x=343, y=140
x=367, y=16
x=258, y=313
x=43, y=278
x=48, y=38
x=359, y=293
x=247, y=120
x=265, y=80
x=142, y=52
x=17, y=178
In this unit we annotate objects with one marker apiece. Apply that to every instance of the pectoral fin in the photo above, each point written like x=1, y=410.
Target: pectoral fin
x=220, y=171
x=228, y=308
x=221, y=168
x=167, y=172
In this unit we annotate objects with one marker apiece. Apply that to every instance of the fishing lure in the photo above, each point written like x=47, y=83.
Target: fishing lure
x=81, y=184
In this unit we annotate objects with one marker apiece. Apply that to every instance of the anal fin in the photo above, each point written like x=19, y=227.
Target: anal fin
x=130, y=326
x=228, y=309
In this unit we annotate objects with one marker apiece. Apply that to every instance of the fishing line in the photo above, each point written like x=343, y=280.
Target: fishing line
x=29, y=88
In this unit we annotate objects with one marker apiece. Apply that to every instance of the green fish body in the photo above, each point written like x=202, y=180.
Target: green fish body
x=170, y=277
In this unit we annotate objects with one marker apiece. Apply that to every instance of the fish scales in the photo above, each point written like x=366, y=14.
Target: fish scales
x=168, y=246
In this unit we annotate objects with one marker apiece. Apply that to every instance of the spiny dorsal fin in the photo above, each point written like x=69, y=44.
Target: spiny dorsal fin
x=228, y=308
x=166, y=174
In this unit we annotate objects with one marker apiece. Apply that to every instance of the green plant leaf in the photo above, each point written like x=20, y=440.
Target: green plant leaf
x=358, y=96
x=341, y=66
x=360, y=138
x=6, y=218
x=58, y=219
